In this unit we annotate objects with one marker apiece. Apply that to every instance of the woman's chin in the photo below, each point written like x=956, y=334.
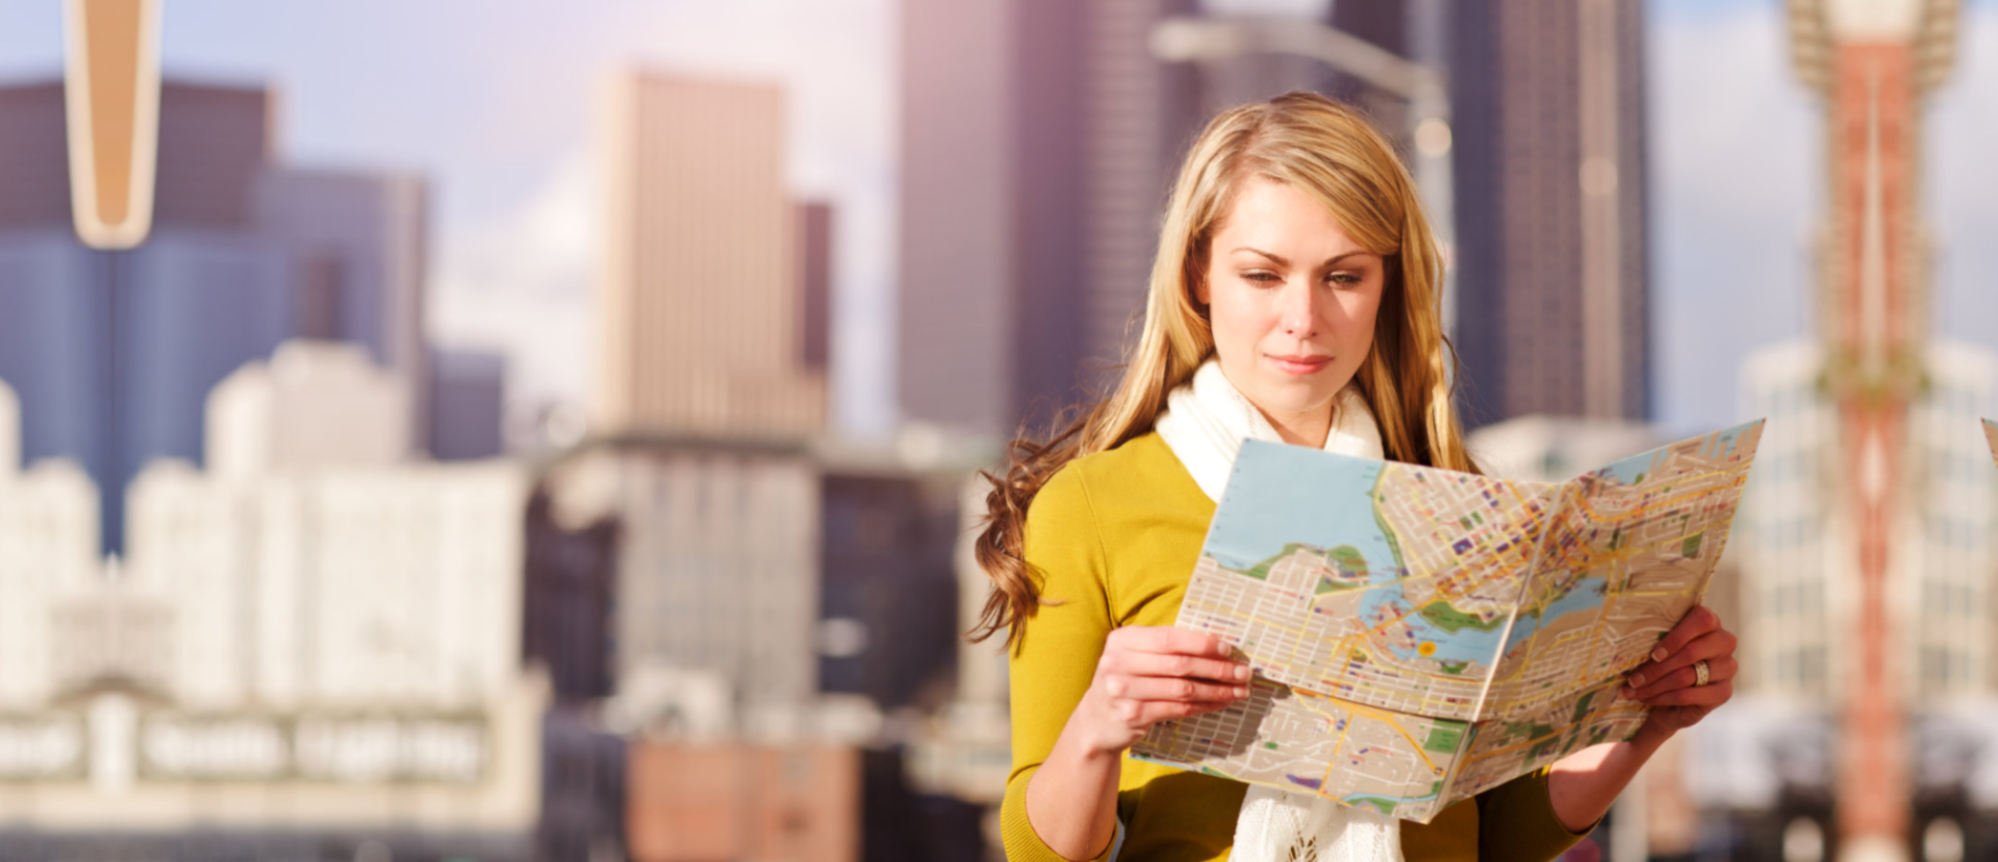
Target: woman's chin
x=1295, y=399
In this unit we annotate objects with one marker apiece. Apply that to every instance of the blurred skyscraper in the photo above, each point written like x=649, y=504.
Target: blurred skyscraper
x=815, y=263
x=705, y=304
x=1547, y=115
x=113, y=352
x=48, y=528
x=1867, y=552
x=887, y=628
x=1390, y=25
x=717, y=566
x=1038, y=141
x=672, y=560
x=1789, y=540
x=357, y=241
x=467, y=404
x=313, y=643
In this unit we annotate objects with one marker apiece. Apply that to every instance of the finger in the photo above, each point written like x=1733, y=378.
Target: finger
x=1711, y=645
x=1171, y=639
x=1696, y=622
x=1707, y=695
x=1719, y=669
x=1149, y=688
x=1177, y=665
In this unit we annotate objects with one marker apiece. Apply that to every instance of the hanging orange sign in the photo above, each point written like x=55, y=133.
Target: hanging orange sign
x=112, y=91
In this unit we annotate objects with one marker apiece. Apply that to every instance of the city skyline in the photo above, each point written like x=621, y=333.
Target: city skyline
x=514, y=261
x=112, y=351
x=734, y=267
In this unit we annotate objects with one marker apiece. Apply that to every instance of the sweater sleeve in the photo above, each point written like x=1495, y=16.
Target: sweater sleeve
x=1516, y=821
x=1055, y=658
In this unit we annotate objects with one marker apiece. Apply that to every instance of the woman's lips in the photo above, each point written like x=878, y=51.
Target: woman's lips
x=1300, y=364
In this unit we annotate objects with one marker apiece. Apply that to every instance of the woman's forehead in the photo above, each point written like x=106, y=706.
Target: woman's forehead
x=1281, y=220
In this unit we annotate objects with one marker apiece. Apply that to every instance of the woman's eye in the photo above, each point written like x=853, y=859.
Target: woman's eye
x=1263, y=277
x=1344, y=279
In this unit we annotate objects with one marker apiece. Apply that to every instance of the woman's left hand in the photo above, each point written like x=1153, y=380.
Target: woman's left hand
x=1666, y=683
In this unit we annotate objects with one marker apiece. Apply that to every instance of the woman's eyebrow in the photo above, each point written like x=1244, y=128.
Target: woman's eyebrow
x=1280, y=260
x=1334, y=261
x=1277, y=259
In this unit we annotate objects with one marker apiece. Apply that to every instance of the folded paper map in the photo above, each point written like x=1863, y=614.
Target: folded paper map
x=1991, y=437
x=1421, y=635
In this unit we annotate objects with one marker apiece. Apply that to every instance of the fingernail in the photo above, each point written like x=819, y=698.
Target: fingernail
x=1659, y=654
x=1241, y=691
x=1636, y=679
x=1627, y=693
x=1242, y=672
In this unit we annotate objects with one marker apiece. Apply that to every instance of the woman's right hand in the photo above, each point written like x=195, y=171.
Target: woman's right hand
x=1146, y=675
x=1150, y=674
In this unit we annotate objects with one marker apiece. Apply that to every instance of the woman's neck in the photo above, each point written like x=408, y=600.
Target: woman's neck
x=1301, y=429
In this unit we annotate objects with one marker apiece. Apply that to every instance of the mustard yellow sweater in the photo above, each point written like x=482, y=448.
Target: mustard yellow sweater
x=1114, y=537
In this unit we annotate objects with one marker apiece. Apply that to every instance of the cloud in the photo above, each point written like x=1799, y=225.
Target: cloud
x=517, y=269
x=524, y=284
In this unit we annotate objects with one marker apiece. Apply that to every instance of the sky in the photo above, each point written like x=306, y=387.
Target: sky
x=1737, y=157
x=497, y=104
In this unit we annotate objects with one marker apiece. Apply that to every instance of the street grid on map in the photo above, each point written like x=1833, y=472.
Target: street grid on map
x=1475, y=631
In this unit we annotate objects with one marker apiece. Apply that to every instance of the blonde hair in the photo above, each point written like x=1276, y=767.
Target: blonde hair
x=1330, y=152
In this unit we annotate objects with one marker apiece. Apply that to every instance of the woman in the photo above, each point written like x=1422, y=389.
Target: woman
x=1294, y=298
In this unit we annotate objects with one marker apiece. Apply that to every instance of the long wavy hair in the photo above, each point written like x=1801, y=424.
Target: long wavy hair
x=1330, y=152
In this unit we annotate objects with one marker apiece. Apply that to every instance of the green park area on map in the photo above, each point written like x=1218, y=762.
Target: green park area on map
x=1421, y=635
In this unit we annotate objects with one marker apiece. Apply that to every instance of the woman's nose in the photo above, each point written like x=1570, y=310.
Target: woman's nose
x=1299, y=309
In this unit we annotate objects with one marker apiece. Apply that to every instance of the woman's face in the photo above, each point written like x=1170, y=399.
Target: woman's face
x=1292, y=300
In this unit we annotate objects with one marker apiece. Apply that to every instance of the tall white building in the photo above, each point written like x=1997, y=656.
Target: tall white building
x=1797, y=597
x=1790, y=584
x=1953, y=558
x=48, y=555
x=315, y=637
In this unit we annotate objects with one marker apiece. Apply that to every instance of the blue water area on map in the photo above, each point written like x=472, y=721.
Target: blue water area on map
x=1281, y=494
x=1466, y=644
x=1587, y=595
x=1722, y=443
x=1628, y=470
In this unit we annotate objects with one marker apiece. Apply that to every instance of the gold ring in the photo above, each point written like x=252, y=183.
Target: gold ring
x=1699, y=673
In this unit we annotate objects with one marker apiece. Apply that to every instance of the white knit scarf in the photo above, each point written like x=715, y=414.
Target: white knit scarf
x=1205, y=423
